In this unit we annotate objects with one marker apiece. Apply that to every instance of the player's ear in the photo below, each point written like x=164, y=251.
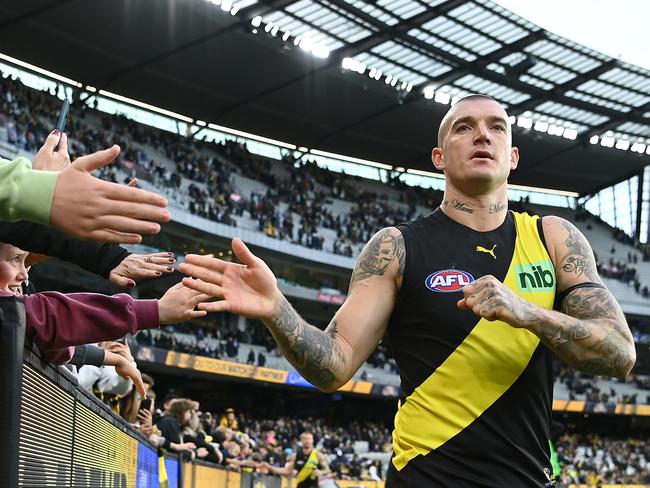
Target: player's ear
x=514, y=158
x=438, y=158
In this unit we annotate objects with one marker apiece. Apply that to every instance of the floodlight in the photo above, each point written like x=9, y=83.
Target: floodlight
x=541, y=126
x=607, y=141
x=570, y=134
x=593, y=140
x=622, y=144
x=524, y=122
x=257, y=21
x=442, y=97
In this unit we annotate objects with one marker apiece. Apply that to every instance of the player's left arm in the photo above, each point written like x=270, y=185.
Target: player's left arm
x=590, y=333
x=324, y=464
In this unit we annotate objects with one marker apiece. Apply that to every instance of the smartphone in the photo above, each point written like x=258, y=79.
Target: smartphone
x=63, y=118
x=146, y=404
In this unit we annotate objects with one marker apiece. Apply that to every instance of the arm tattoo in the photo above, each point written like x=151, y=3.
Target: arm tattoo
x=313, y=352
x=591, y=334
x=578, y=258
x=375, y=259
x=458, y=205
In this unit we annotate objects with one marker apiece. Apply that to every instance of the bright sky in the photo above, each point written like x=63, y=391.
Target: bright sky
x=618, y=28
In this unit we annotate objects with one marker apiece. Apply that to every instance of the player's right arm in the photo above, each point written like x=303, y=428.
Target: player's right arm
x=329, y=358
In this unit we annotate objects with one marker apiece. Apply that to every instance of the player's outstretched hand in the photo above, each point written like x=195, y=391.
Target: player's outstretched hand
x=89, y=208
x=248, y=289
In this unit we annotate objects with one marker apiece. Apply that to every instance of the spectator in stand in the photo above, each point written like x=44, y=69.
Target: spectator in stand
x=228, y=419
x=251, y=357
x=171, y=428
x=167, y=402
x=261, y=359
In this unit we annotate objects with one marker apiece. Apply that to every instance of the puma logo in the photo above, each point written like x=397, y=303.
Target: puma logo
x=489, y=251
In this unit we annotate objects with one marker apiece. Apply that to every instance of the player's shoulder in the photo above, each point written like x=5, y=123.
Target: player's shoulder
x=554, y=226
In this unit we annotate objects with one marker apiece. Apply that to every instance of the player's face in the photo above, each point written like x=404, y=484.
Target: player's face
x=307, y=441
x=12, y=268
x=477, y=147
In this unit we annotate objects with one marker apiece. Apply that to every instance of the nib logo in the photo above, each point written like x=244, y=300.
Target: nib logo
x=535, y=277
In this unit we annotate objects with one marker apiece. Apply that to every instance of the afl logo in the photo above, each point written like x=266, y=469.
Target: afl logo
x=448, y=280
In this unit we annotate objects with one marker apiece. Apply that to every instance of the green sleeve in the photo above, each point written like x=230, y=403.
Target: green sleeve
x=25, y=194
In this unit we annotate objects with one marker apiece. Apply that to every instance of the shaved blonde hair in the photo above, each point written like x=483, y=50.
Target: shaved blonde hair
x=446, y=120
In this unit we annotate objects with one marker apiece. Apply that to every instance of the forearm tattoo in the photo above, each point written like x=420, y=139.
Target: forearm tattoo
x=591, y=334
x=313, y=352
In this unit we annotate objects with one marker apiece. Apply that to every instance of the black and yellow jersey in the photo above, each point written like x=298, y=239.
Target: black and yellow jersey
x=475, y=403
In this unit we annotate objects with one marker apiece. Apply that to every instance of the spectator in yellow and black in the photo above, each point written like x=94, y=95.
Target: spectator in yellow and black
x=228, y=419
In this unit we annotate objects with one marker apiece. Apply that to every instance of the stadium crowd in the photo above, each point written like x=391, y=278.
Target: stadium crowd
x=594, y=460
x=235, y=439
x=243, y=441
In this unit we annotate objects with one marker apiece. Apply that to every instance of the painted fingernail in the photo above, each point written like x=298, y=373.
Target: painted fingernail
x=158, y=273
x=169, y=268
x=56, y=132
x=131, y=284
x=172, y=260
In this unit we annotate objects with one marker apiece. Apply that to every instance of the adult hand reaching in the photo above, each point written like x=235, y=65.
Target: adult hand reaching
x=89, y=208
x=249, y=289
x=136, y=266
x=178, y=303
x=49, y=159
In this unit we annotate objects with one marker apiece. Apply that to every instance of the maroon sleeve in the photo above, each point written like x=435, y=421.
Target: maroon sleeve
x=59, y=356
x=56, y=321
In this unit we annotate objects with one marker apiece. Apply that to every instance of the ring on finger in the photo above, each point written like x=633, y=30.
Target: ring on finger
x=148, y=259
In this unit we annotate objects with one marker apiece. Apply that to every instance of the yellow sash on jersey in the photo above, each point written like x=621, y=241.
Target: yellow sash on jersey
x=310, y=465
x=483, y=366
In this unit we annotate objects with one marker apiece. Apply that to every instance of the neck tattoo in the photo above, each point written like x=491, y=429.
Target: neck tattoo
x=458, y=205
x=497, y=207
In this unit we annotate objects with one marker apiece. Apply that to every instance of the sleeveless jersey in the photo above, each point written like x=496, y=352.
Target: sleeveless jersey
x=476, y=396
x=308, y=462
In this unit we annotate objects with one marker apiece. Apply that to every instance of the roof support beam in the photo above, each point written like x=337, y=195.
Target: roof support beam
x=33, y=13
x=334, y=60
x=620, y=118
x=564, y=87
x=245, y=16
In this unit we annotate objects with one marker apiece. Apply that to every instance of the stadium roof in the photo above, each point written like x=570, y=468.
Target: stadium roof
x=364, y=78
